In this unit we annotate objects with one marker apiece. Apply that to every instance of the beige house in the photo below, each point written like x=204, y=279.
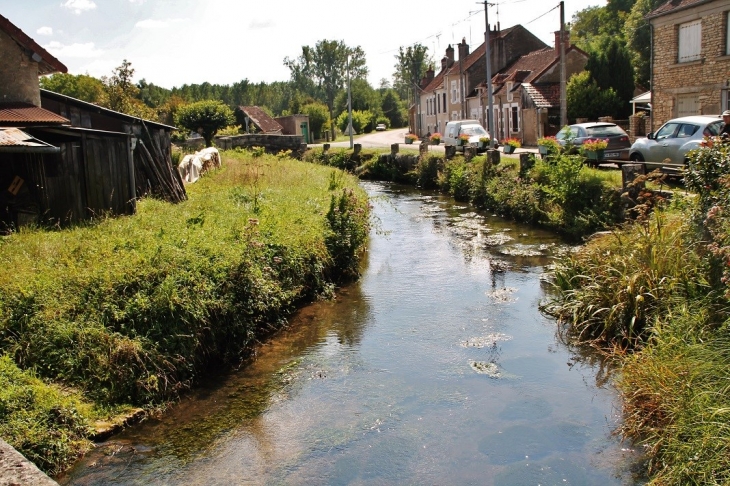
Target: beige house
x=527, y=93
x=691, y=58
x=446, y=96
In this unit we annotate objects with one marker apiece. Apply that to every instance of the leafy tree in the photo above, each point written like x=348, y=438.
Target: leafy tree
x=587, y=100
x=326, y=66
x=123, y=95
x=81, y=86
x=393, y=109
x=638, y=39
x=611, y=68
x=411, y=65
x=362, y=121
x=151, y=95
x=364, y=97
x=318, y=117
x=205, y=117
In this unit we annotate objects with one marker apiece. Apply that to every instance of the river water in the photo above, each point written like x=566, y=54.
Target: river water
x=435, y=368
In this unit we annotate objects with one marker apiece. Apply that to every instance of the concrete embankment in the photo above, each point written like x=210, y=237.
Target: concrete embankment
x=16, y=470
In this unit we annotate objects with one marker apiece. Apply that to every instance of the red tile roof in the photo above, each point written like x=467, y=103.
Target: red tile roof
x=23, y=114
x=674, y=6
x=261, y=119
x=47, y=63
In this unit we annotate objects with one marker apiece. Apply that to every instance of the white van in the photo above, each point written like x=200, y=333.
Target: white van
x=469, y=127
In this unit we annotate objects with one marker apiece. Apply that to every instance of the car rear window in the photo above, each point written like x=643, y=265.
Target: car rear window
x=604, y=131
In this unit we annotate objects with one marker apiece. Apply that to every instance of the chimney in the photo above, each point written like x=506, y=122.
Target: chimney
x=426, y=80
x=566, y=41
x=444, y=63
x=463, y=49
x=450, y=55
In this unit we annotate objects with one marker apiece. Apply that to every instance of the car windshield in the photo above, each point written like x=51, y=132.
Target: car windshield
x=567, y=132
x=472, y=130
x=604, y=131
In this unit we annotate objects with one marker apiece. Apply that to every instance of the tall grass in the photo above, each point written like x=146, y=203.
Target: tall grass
x=134, y=309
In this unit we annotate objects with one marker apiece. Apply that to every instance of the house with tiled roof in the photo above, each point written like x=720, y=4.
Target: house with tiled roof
x=691, y=59
x=445, y=96
x=256, y=120
x=526, y=94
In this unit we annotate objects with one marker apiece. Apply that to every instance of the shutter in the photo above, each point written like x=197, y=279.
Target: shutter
x=690, y=41
x=688, y=104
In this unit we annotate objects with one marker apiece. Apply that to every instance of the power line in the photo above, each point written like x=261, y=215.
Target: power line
x=541, y=16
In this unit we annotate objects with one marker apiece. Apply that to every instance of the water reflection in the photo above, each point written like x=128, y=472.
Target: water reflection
x=435, y=368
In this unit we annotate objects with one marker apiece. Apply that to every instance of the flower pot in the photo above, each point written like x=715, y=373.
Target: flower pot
x=409, y=141
x=463, y=142
x=435, y=142
x=509, y=149
x=543, y=149
x=483, y=145
x=594, y=154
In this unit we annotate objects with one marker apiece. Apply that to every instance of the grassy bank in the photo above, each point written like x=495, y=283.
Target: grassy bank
x=134, y=310
x=562, y=194
x=655, y=295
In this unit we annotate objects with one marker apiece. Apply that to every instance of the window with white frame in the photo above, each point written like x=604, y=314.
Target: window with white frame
x=690, y=41
x=515, y=119
x=454, y=92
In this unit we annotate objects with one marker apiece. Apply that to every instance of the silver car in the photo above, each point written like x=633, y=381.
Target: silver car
x=675, y=139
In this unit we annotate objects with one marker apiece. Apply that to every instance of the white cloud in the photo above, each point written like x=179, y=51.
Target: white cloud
x=78, y=50
x=156, y=24
x=79, y=6
x=139, y=2
x=45, y=31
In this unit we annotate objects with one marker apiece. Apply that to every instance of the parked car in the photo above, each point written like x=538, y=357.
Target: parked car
x=380, y=127
x=674, y=140
x=472, y=128
x=618, y=139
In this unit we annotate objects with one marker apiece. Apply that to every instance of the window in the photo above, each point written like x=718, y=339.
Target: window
x=438, y=103
x=667, y=131
x=688, y=104
x=690, y=41
x=510, y=85
x=515, y=120
x=687, y=130
x=454, y=92
x=444, y=103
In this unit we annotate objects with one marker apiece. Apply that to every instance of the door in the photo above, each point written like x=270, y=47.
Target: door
x=305, y=132
x=660, y=148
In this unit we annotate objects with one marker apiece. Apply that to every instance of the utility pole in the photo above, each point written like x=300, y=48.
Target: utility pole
x=488, y=59
x=349, y=101
x=563, y=80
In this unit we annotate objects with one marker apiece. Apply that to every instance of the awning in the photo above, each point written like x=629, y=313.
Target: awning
x=13, y=140
x=642, y=98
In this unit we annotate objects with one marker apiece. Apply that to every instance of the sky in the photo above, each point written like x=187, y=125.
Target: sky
x=176, y=42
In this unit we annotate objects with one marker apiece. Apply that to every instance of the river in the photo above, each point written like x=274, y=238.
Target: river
x=435, y=368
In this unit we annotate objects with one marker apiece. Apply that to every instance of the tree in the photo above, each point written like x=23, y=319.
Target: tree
x=364, y=97
x=393, y=109
x=638, y=39
x=587, y=100
x=318, y=117
x=362, y=121
x=412, y=63
x=611, y=68
x=205, y=117
x=326, y=66
x=81, y=86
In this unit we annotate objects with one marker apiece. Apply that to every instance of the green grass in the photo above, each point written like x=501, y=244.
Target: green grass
x=133, y=310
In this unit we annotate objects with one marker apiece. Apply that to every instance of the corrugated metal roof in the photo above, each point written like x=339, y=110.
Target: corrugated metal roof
x=261, y=119
x=22, y=114
x=15, y=140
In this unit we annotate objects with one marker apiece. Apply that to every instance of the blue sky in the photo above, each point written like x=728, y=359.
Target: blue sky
x=176, y=42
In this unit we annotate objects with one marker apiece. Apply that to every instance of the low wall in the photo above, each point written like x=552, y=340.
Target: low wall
x=272, y=143
x=17, y=470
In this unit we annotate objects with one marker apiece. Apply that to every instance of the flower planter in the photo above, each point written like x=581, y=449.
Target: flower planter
x=509, y=149
x=543, y=149
x=483, y=145
x=409, y=141
x=594, y=154
x=435, y=142
x=463, y=143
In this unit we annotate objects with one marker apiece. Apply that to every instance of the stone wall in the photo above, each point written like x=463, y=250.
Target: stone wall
x=272, y=143
x=18, y=73
x=17, y=470
x=705, y=77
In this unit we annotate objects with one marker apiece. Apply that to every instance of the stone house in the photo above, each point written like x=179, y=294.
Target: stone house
x=445, y=96
x=527, y=92
x=691, y=58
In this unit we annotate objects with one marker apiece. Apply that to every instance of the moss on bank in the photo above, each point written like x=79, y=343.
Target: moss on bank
x=134, y=310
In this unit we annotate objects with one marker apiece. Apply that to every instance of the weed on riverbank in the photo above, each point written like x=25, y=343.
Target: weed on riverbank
x=657, y=292
x=134, y=309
